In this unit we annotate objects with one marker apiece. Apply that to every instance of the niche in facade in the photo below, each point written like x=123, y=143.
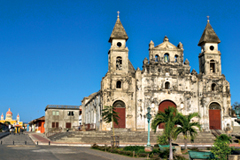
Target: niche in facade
x=119, y=84
x=167, y=85
x=166, y=57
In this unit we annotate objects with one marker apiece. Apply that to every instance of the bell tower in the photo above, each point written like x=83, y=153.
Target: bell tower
x=210, y=56
x=118, y=53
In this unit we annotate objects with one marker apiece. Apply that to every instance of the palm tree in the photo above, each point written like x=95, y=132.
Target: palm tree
x=187, y=128
x=169, y=117
x=110, y=115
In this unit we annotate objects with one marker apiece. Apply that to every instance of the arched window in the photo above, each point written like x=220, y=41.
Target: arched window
x=212, y=66
x=119, y=104
x=119, y=84
x=176, y=58
x=166, y=57
x=119, y=63
x=156, y=58
x=213, y=87
x=167, y=85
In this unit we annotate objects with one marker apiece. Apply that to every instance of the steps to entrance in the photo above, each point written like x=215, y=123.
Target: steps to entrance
x=124, y=137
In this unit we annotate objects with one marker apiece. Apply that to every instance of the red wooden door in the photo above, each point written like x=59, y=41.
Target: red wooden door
x=122, y=118
x=215, y=118
x=164, y=105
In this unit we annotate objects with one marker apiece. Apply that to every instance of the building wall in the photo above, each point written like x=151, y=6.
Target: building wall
x=62, y=119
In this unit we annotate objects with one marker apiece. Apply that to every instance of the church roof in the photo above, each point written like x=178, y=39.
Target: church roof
x=209, y=35
x=9, y=112
x=166, y=45
x=118, y=31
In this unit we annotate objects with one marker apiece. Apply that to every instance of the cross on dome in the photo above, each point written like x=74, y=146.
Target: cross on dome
x=118, y=14
x=208, y=18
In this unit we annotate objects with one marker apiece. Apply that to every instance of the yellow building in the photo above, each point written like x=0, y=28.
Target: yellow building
x=8, y=118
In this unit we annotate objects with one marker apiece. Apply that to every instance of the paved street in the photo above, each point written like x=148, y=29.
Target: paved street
x=30, y=152
x=20, y=151
x=18, y=139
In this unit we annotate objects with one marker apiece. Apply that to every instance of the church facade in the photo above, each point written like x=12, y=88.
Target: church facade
x=165, y=80
x=9, y=118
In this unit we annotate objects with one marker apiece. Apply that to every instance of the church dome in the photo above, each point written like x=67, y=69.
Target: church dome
x=9, y=112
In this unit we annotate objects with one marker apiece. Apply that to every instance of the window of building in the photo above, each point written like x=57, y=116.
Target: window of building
x=119, y=44
x=119, y=84
x=119, y=63
x=53, y=124
x=70, y=113
x=156, y=58
x=166, y=57
x=55, y=113
x=68, y=125
x=213, y=87
x=167, y=85
x=176, y=58
x=212, y=66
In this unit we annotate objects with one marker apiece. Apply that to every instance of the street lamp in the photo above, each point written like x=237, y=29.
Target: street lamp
x=148, y=148
x=237, y=111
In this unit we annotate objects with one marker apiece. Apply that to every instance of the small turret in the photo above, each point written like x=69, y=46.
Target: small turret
x=2, y=117
x=18, y=118
x=165, y=39
x=186, y=62
x=151, y=45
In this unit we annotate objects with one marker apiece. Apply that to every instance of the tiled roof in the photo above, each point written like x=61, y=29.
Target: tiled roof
x=209, y=35
x=118, y=32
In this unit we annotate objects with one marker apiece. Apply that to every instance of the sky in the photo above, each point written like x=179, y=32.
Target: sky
x=56, y=52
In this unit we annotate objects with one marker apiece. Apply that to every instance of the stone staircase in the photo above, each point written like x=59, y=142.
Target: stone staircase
x=124, y=137
x=202, y=137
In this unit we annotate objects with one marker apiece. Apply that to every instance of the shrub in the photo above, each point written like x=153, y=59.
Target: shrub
x=102, y=148
x=164, y=154
x=177, y=157
x=95, y=146
x=129, y=153
x=133, y=148
x=221, y=149
x=224, y=138
x=142, y=154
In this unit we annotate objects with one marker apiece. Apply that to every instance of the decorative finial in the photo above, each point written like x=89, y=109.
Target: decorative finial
x=208, y=19
x=118, y=14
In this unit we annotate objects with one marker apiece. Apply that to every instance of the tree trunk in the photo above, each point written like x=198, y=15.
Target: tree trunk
x=171, y=151
x=185, y=143
x=113, y=131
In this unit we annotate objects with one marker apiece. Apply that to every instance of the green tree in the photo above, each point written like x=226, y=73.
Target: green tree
x=186, y=127
x=169, y=117
x=223, y=138
x=110, y=115
x=7, y=122
x=221, y=148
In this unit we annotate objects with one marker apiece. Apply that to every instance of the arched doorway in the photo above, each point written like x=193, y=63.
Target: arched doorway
x=120, y=109
x=215, y=116
x=163, y=105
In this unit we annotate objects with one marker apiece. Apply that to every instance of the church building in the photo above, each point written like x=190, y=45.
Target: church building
x=165, y=80
x=9, y=118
